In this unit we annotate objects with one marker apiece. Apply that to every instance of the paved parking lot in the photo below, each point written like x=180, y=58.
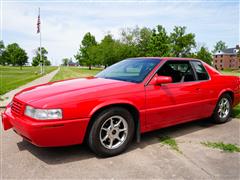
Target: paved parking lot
x=148, y=159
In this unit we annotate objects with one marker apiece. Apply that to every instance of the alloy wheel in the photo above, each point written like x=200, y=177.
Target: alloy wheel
x=113, y=132
x=224, y=108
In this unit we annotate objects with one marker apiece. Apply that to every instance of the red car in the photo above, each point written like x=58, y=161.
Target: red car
x=129, y=98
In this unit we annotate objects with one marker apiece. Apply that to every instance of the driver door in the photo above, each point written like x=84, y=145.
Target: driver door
x=174, y=102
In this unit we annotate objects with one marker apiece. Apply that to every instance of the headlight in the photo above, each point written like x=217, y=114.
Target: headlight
x=43, y=114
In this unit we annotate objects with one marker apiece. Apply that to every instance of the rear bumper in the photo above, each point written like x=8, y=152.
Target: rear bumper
x=49, y=133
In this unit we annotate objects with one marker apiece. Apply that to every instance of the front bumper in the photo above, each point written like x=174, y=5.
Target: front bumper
x=46, y=133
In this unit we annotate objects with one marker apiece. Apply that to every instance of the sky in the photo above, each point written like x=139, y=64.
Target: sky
x=64, y=23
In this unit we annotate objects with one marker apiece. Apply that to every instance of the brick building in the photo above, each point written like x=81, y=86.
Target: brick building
x=227, y=59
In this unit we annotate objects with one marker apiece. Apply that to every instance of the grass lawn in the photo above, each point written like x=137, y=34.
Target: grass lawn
x=74, y=72
x=236, y=111
x=230, y=72
x=166, y=140
x=222, y=146
x=13, y=77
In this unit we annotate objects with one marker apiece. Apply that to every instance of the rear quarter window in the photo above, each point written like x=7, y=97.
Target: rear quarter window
x=200, y=70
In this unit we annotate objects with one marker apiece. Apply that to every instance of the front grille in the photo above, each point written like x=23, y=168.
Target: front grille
x=17, y=108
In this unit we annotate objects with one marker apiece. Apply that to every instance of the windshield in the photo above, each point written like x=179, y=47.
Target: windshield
x=131, y=70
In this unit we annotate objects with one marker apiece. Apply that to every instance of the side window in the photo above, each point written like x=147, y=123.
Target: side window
x=200, y=70
x=180, y=71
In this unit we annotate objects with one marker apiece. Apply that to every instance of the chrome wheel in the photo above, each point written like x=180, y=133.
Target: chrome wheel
x=224, y=108
x=113, y=132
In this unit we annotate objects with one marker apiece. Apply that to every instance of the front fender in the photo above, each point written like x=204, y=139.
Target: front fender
x=110, y=103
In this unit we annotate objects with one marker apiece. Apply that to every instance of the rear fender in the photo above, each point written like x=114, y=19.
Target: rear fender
x=224, y=91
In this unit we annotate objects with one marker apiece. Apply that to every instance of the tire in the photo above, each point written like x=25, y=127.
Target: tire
x=111, y=132
x=223, y=109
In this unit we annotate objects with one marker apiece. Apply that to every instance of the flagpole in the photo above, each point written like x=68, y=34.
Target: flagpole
x=40, y=39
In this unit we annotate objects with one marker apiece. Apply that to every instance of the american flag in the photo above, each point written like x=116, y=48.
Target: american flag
x=38, y=24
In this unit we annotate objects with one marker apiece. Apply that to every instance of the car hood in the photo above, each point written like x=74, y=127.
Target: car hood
x=67, y=87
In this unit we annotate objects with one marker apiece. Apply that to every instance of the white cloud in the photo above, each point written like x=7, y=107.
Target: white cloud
x=64, y=24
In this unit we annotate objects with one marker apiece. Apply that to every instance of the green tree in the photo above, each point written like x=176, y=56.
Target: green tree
x=219, y=46
x=65, y=61
x=94, y=55
x=108, y=51
x=36, y=60
x=181, y=43
x=15, y=55
x=159, y=44
x=204, y=55
x=83, y=53
x=124, y=51
x=144, y=41
x=129, y=42
x=47, y=62
x=2, y=48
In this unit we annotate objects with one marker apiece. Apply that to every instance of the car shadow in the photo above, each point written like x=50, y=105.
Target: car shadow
x=61, y=155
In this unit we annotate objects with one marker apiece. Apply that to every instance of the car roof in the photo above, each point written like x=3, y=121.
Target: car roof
x=165, y=58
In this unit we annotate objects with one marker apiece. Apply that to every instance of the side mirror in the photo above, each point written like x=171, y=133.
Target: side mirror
x=158, y=80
